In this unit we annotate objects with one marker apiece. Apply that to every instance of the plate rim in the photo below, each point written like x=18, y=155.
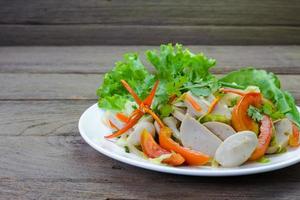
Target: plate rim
x=178, y=170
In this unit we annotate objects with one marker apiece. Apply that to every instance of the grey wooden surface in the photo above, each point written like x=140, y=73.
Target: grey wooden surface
x=92, y=22
x=44, y=90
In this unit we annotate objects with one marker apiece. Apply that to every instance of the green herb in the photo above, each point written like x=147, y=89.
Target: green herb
x=126, y=148
x=134, y=107
x=269, y=85
x=204, y=91
x=281, y=150
x=214, y=163
x=273, y=141
x=232, y=85
x=166, y=110
x=263, y=160
x=254, y=113
x=179, y=70
x=214, y=118
x=233, y=102
x=270, y=110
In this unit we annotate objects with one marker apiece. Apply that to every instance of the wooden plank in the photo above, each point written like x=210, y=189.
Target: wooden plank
x=147, y=35
x=153, y=12
x=100, y=59
x=49, y=86
x=120, y=190
x=57, y=166
x=41, y=118
x=77, y=86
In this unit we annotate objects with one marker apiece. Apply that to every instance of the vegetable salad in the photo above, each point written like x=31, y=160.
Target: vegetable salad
x=179, y=113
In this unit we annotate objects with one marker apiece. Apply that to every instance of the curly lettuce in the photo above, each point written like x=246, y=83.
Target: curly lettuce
x=178, y=69
x=112, y=95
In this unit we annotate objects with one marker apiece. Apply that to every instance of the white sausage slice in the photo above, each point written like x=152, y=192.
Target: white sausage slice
x=236, y=149
x=283, y=128
x=171, y=122
x=221, y=130
x=135, y=135
x=197, y=137
x=178, y=114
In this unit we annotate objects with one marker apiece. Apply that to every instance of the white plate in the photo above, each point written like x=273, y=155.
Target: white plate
x=92, y=130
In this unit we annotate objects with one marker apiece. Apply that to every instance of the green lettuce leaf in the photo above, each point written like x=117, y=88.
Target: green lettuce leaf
x=177, y=69
x=269, y=85
x=112, y=95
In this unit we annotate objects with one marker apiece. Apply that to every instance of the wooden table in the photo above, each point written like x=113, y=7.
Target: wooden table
x=44, y=90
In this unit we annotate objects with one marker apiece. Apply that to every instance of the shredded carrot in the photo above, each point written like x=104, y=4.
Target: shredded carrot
x=112, y=125
x=155, y=117
x=131, y=91
x=122, y=117
x=193, y=102
x=234, y=91
x=134, y=113
x=144, y=107
x=149, y=99
x=213, y=104
x=129, y=125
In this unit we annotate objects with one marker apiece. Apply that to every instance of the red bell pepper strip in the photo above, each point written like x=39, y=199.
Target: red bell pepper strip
x=153, y=150
x=240, y=119
x=264, y=138
x=191, y=157
x=294, y=137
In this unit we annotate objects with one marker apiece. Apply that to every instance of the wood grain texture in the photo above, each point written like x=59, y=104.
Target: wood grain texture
x=77, y=86
x=41, y=118
x=88, y=60
x=147, y=35
x=115, y=22
x=33, y=166
x=49, y=86
x=151, y=12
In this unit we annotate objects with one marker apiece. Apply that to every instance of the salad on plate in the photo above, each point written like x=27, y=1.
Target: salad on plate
x=176, y=112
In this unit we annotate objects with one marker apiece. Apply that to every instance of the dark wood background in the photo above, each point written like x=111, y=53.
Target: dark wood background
x=133, y=22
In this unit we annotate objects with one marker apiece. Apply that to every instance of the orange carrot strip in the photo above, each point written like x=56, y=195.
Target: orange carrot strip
x=131, y=91
x=129, y=125
x=193, y=102
x=213, y=104
x=294, y=137
x=155, y=117
x=149, y=99
x=235, y=91
x=134, y=113
x=122, y=117
x=112, y=125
